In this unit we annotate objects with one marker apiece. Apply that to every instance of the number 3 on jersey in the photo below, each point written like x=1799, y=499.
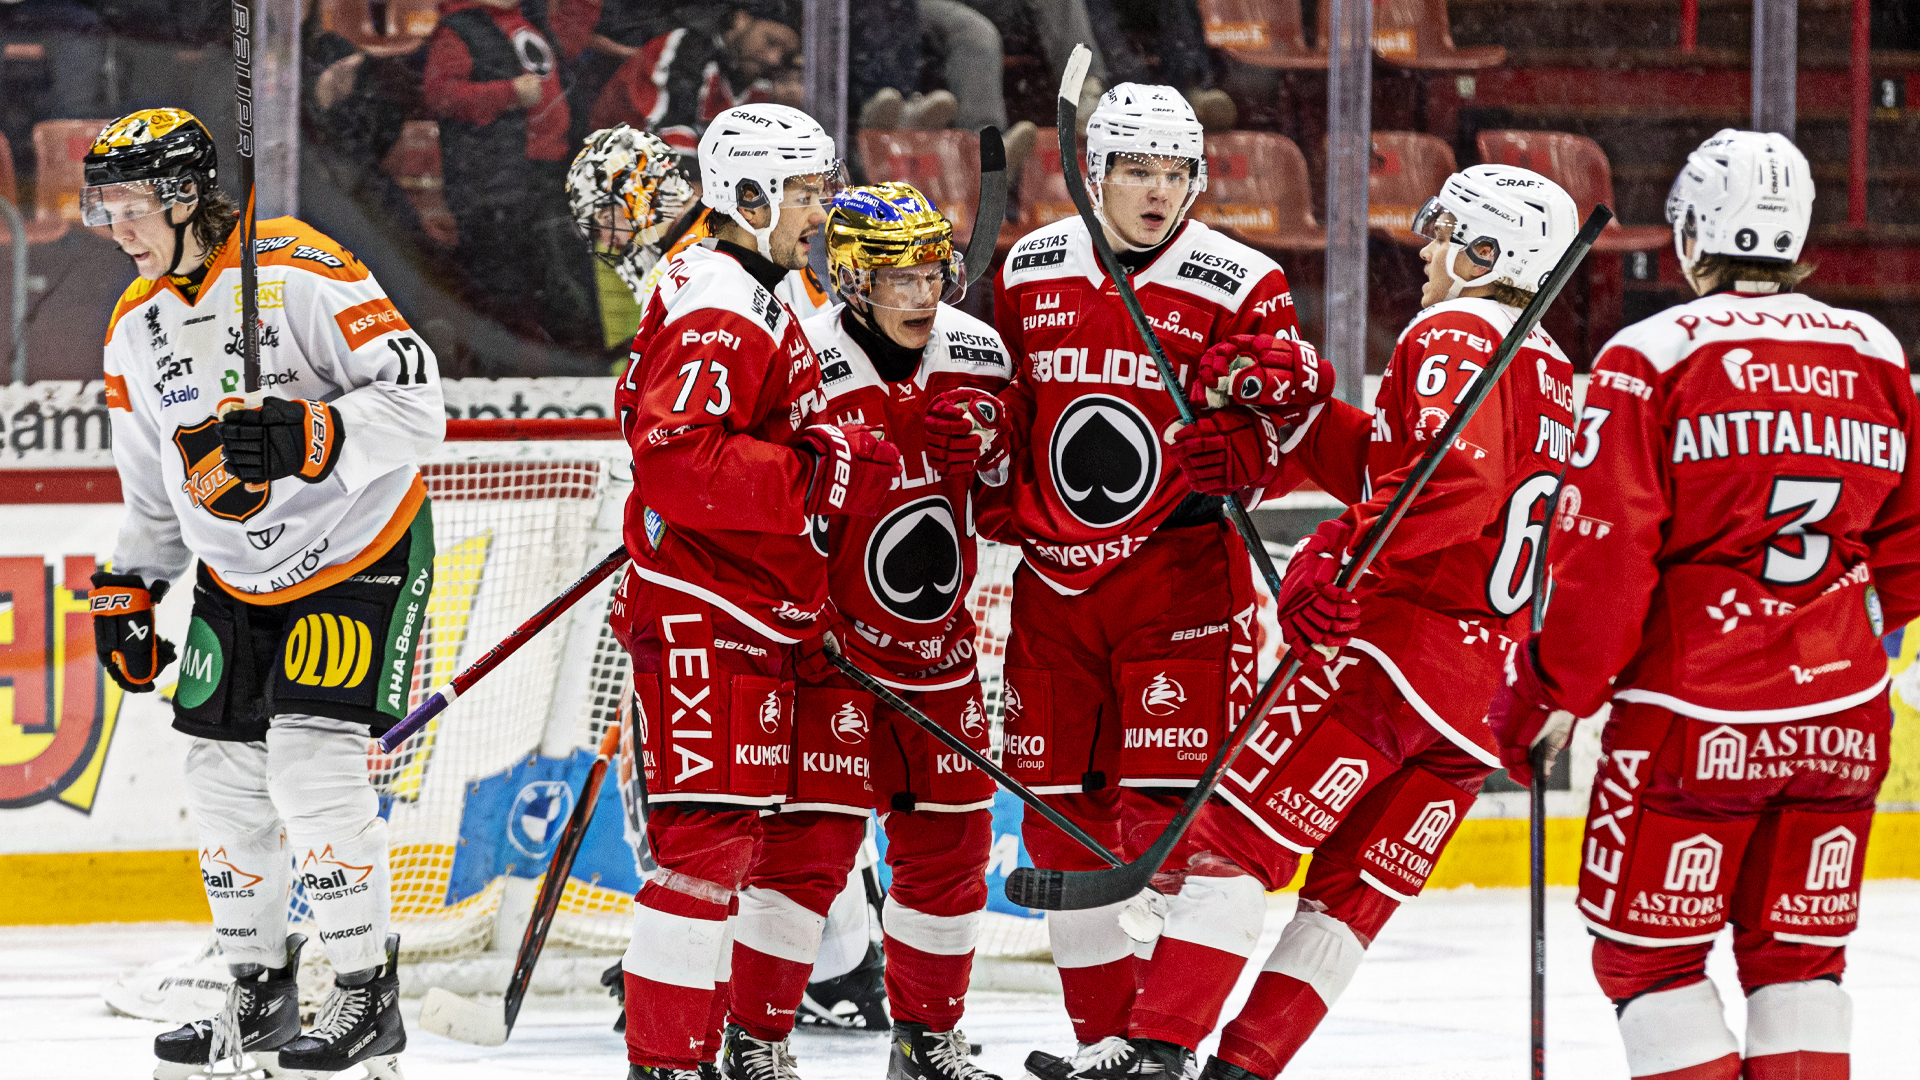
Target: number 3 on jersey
x=690, y=375
x=1814, y=498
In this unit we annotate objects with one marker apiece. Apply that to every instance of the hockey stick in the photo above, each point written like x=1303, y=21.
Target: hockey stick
x=1069, y=890
x=449, y=1014
x=243, y=129
x=899, y=704
x=445, y=695
x=1066, y=109
x=1537, y=806
x=991, y=212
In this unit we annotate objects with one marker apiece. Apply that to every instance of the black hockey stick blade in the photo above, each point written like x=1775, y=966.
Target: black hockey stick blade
x=483, y=1024
x=979, y=761
x=1066, y=108
x=991, y=212
x=1072, y=890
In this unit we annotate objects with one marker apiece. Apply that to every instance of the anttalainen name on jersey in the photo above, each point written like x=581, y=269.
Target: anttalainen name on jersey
x=1763, y=431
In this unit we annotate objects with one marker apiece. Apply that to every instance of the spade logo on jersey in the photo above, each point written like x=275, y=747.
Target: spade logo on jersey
x=816, y=533
x=209, y=485
x=913, y=561
x=1105, y=460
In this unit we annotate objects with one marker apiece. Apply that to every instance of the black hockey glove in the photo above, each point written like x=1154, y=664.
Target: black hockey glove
x=283, y=438
x=131, y=650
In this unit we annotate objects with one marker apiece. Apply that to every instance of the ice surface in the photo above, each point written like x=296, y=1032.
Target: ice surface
x=1443, y=996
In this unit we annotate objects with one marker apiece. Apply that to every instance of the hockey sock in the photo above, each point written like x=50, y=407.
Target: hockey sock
x=1799, y=1031
x=670, y=967
x=347, y=887
x=1211, y=929
x=246, y=883
x=1095, y=960
x=775, y=941
x=1679, y=1034
x=1307, y=972
x=844, y=940
x=929, y=964
x=722, y=999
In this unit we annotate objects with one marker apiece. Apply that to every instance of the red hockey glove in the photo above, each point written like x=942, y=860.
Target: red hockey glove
x=1524, y=716
x=852, y=471
x=967, y=430
x=1275, y=373
x=1228, y=450
x=1313, y=610
x=131, y=650
x=282, y=438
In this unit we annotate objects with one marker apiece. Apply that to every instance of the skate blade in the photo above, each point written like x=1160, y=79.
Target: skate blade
x=262, y=1065
x=469, y=1021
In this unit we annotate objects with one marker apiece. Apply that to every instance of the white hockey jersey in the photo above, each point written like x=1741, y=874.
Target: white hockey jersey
x=328, y=333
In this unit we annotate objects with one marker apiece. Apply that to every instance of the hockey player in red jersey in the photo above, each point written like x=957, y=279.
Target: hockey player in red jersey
x=898, y=581
x=1377, y=749
x=1736, y=533
x=731, y=468
x=1133, y=613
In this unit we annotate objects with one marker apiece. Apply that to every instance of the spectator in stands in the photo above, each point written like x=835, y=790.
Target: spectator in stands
x=595, y=38
x=717, y=57
x=51, y=70
x=968, y=46
x=1178, y=56
x=493, y=79
x=354, y=107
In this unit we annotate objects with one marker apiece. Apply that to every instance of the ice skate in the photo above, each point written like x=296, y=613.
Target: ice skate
x=743, y=1057
x=1115, y=1058
x=921, y=1054
x=663, y=1072
x=359, y=1025
x=265, y=1006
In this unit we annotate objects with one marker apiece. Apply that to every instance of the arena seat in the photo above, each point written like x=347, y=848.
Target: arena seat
x=401, y=27
x=1408, y=169
x=414, y=161
x=1416, y=34
x=1258, y=189
x=1043, y=190
x=1576, y=163
x=1263, y=33
x=61, y=147
x=944, y=165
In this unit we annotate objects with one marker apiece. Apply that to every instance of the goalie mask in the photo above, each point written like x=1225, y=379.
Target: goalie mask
x=889, y=247
x=750, y=152
x=147, y=163
x=1744, y=194
x=1512, y=221
x=626, y=189
x=1148, y=136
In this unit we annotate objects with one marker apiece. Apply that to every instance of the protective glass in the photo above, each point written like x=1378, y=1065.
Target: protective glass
x=1174, y=175
x=1436, y=222
x=915, y=288
x=812, y=190
x=104, y=204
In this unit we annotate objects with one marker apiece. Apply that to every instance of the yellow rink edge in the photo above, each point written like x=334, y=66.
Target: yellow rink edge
x=164, y=886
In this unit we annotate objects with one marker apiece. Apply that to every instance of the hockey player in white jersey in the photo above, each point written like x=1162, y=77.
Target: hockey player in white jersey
x=305, y=509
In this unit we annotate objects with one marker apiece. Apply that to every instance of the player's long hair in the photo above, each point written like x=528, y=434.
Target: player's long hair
x=1727, y=269
x=214, y=219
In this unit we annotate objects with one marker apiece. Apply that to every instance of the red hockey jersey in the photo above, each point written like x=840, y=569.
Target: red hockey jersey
x=901, y=578
x=1738, y=529
x=1448, y=594
x=721, y=380
x=1094, y=479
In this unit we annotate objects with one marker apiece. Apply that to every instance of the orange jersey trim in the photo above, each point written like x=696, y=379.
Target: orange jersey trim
x=390, y=534
x=134, y=295
x=305, y=247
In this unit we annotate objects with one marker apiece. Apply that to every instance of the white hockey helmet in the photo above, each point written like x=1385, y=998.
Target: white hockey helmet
x=1747, y=194
x=1144, y=121
x=750, y=151
x=1512, y=221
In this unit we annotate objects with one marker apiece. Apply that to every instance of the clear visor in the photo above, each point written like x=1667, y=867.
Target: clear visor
x=918, y=288
x=1436, y=222
x=104, y=204
x=1175, y=175
x=812, y=190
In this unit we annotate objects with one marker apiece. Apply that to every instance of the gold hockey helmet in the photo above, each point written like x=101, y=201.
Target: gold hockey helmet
x=886, y=227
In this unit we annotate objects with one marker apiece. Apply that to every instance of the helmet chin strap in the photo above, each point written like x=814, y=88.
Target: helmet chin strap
x=179, y=240
x=762, y=238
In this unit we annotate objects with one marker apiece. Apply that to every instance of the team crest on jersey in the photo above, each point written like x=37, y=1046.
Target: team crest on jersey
x=817, y=534
x=209, y=485
x=1105, y=460
x=913, y=561
x=850, y=725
